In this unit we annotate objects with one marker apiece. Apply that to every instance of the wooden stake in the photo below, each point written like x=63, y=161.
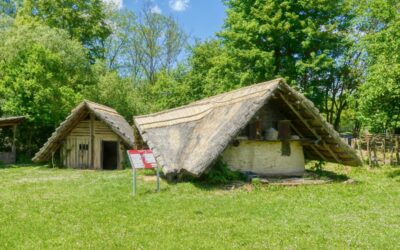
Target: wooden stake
x=375, y=161
x=384, y=150
x=359, y=144
x=368, y=140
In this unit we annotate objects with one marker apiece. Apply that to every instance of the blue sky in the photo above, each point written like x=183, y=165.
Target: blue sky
x=199, y=18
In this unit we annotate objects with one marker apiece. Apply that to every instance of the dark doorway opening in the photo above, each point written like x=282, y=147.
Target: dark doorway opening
x=110, y=155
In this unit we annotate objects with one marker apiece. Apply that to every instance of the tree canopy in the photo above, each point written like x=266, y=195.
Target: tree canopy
x=84, y=20
x=343, y=55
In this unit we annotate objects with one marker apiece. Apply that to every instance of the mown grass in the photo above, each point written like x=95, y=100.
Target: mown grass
x=63, y=208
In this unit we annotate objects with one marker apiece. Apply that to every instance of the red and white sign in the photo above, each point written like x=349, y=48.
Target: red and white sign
x=142, y=158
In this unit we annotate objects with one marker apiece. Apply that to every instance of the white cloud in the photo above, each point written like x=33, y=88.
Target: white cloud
x=179, y=5
x=115, y=3
x=156, y=9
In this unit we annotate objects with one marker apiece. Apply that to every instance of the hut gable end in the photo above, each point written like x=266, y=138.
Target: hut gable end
x=189, y=138
x=75, y=123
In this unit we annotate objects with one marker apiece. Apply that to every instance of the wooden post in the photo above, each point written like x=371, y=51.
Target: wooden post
x=13, y=147
x=134, y=181
x=391, y=150
x=368, y=141
x=359, y=145
x=158, y=178
x=373, y=143
x=384, y=150
x=91, y=141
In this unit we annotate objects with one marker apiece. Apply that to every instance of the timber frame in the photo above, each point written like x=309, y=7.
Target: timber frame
x=13, y=122
x=189, y=139
x=85, y=119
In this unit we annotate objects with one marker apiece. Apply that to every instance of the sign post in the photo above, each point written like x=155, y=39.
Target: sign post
x=140, y=159
x=134, y=181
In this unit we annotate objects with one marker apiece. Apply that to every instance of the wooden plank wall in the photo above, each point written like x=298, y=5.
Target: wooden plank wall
x=76, y=158
x=7, y=157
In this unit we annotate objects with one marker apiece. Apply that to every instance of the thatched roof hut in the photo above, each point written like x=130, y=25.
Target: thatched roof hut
x=12, y=122
x=79, y=137
x=189, y=139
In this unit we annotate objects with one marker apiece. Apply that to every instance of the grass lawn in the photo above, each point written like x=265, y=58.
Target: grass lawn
x=64, y=208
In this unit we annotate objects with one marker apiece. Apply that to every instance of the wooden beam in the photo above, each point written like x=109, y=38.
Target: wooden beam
x=312, y=146
x=332, y=153
x=13, y=147
x=91, y=141
x=300, y=117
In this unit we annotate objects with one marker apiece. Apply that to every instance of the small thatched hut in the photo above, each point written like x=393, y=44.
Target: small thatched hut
x=8, y=156
x=267, y=128
x=93, y=136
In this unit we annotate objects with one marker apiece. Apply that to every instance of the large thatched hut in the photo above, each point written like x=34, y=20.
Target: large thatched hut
x=93, y=136
x=267, y=128
x=8, y=148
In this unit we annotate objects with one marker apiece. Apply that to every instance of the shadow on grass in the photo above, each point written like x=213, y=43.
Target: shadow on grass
x=328, y=175
x=394, y=174
x=9, y=166
x=218, y=186
x=204, y=184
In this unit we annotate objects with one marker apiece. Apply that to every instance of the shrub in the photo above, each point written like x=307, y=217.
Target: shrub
x=219, y=173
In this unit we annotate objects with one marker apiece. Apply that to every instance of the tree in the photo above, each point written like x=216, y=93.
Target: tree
x=302, y=41
x=114, y=91
x=215, y=69
x=169, y=91
x=142, y=45
x=84, y=20
x=9, y=7
x=379, y=96
x=42, y=75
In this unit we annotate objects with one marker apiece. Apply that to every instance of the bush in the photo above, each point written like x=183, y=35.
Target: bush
x=219, y=173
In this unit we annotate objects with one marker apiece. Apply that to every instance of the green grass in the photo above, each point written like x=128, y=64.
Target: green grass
x=63, y=208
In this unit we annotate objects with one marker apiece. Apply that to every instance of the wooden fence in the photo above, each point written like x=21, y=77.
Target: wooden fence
x=378, y=149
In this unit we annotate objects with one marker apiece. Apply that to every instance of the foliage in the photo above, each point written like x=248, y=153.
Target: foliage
x=380, y=38
x=84, y=20
x=42, y=73
x=318, y=166
x=143, y=45
x=72, y=209
x=303, y=41
x=9, y=7
x=214, y=69
x=169, y=90
x=114, y=91
x=220, y=173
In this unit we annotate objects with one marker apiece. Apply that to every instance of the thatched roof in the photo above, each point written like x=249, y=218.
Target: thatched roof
x=10, y=120
x=106, y=114
x=189, y=138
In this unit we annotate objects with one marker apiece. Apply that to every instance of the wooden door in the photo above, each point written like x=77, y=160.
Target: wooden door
x=82, y=148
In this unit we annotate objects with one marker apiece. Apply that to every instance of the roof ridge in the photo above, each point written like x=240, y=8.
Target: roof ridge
x=207, y=100
x=99, y=106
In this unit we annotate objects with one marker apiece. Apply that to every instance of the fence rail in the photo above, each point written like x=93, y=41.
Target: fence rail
x=378, y=149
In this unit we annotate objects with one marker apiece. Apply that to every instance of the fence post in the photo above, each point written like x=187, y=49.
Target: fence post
x=359, y=145
x=384, y=150
x=368, y=141
x=375, y=156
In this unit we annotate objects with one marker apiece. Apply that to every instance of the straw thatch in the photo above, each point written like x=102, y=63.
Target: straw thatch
x=188, y=139
x=106, y=114
x=11, y=121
